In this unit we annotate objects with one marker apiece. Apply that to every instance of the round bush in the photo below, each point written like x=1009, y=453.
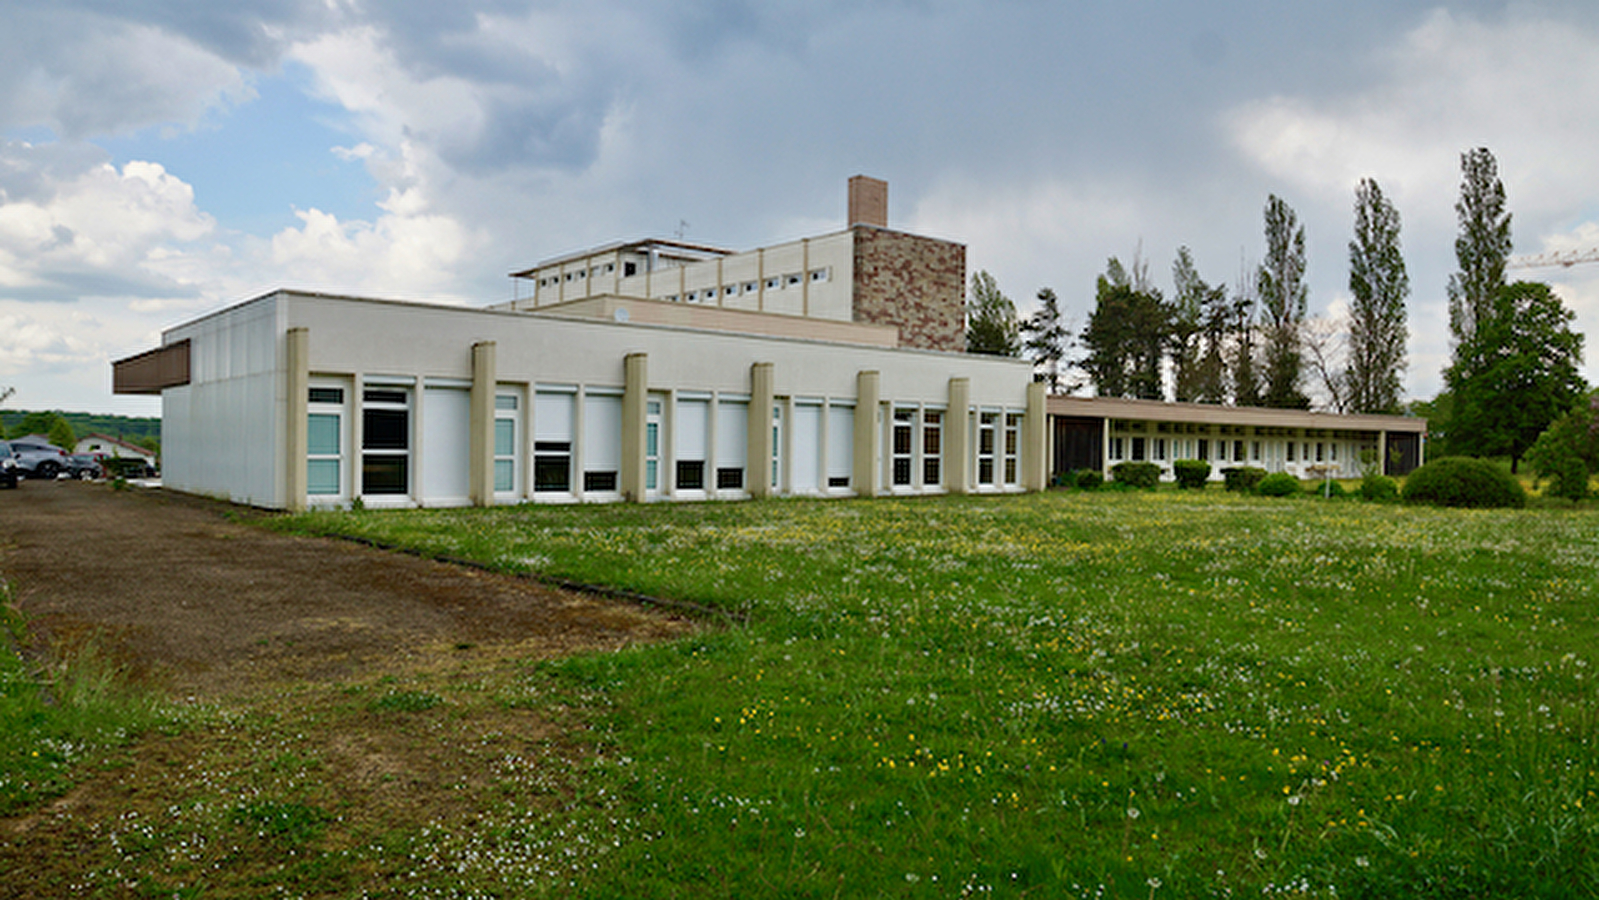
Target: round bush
x=1191, y=473
x=1243, y=478
x=1379, y=488
x=1464, y=482
x=1278, y=484
x=1089, y=479
x=1136, y=474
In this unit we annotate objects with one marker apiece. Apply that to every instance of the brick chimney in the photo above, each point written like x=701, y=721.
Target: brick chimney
x=868, y=201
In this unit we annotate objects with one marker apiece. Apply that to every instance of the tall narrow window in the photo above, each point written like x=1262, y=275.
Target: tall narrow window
x=507, y=418
x=325, y=442
x=690, y=430
x=840, y=446
x=385, y=441
x=732, y=440
x=777, y=446
x=1013, y=447
x=805, y=443
x=987, y=444
x=553, y=422
x=602, y=443
x=902, y=438
x=652, y=446
x=932, y=447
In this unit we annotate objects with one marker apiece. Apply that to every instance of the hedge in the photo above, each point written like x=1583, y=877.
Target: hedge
x=1191, y=473
x=1136, y=474
x=1464, y=482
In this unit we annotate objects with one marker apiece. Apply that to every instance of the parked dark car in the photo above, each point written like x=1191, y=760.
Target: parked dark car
x=83, y=466
x=41, y=461
x=8, y=466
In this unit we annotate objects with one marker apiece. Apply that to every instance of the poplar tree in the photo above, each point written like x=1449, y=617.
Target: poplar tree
x=1281, y=285
x=1482, y=247
x=1379, y=285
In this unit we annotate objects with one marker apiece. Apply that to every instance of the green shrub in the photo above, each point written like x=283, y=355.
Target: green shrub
x=1330, y=488
x=1243, y=478
x=1277, y=484
x=1466, y=482
x=1088, y=479
x=1191, y=473
x=1136, y=474
x=1378, y=488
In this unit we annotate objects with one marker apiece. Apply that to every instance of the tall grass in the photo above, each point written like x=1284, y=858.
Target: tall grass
x=1079, y=695
x=57, y=715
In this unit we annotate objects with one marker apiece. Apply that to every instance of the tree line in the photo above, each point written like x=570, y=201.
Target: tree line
x=1513, y=370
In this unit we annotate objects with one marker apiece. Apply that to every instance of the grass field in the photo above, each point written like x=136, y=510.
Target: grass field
x=1065, y=695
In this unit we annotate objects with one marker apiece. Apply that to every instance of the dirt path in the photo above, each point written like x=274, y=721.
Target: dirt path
x=189, y=595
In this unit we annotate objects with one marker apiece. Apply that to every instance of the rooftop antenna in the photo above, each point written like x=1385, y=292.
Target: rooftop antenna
x=682, y=228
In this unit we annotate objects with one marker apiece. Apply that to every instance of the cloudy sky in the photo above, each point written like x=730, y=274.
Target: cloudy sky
x=163, y=158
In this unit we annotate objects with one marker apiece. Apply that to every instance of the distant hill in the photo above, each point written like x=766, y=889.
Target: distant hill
x=126, y=428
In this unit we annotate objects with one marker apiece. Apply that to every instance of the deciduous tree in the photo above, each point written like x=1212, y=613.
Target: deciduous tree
x=1516, y=374
x=1482, y=247
x=1379, y=285
x=1281, y=283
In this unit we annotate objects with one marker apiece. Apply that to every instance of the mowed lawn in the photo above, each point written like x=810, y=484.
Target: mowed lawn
x=1075, y=694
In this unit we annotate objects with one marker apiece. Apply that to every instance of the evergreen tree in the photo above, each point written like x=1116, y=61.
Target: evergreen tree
x=1210, y=371
x=1189, y=292
x=991, y=326
x=1281, y=283
x=1044, y=340
x=1126, y=336
x=1516, y=374
x=1246, y=380
x=1482, y=247
x=1377, y=320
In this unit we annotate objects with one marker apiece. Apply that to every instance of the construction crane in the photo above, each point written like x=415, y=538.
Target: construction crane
x=1564, y=258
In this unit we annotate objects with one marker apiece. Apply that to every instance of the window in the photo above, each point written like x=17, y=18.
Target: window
x=1204, y=450
x=507, y=418
x=1013, y=446
x=818, y=274
x=692, y=297
x=553, y=420
x=652, y=446
x=732, y=440
x=1160, y=449
x=385, y=441
x=602, y=442
x=1238, y=451
x=751, y=287
x=777, y=445
x=629, y=269
x=324, y=442
x=902, y=441
x=691, y=429
x=1290, y=451
x=987, y=443
x=840, y=445
x=932, y=447
x=773, y=284
x=792, y=278
x=1254, y=451
x=1138, y=449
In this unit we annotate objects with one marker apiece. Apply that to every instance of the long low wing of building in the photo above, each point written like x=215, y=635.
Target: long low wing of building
x=1099, y=432
x=296, y=399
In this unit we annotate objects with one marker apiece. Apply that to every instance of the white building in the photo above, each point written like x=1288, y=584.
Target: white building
x=296, y=399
